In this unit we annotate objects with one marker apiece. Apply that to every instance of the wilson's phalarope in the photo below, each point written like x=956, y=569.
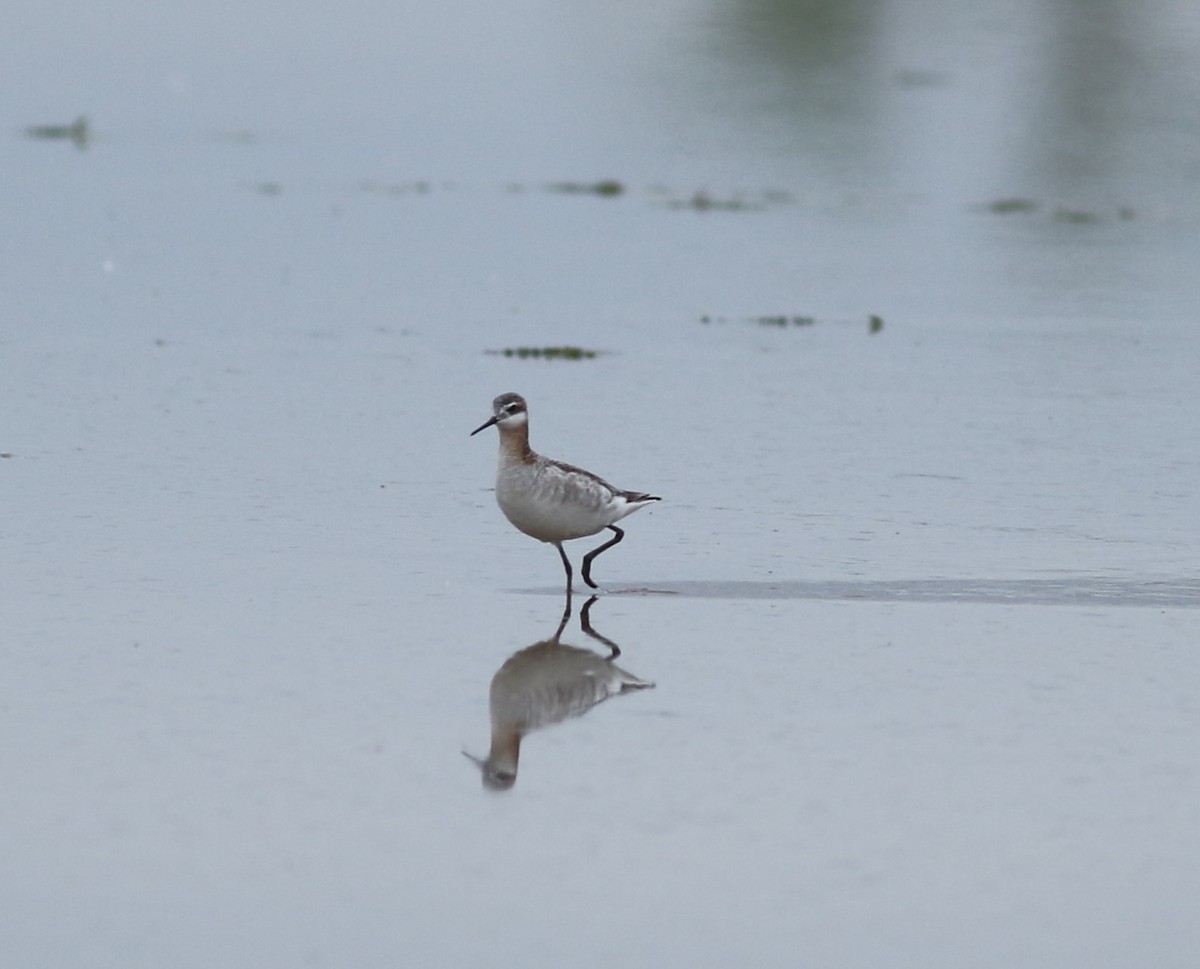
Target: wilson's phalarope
x=551, y=501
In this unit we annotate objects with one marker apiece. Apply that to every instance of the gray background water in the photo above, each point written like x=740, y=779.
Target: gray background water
x=920, y=604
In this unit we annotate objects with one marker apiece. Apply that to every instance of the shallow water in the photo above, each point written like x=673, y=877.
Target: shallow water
x=919, y=602
x=1069, y=590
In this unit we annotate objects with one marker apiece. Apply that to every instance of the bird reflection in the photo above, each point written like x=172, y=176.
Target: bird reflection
x=544, y=684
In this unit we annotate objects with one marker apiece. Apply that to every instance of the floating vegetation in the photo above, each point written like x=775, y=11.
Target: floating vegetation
x=784, y=321
x=77, y=131
x=1010, y=206
x=547, y=353
x=416, y=187
x=268, y=188
x=701, y=201
x=1075, y=216
x=1062, y=213
x=605, y=188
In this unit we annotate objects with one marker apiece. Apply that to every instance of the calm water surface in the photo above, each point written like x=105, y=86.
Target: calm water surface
x=919, y=604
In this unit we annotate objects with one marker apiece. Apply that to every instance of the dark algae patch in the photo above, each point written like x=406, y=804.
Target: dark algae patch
x=547, y=353
x=1011, y=206
x=605, y=188
x=77, y=131
x=1061, y=213
x=1075, y=216
x=701, y=201
x=696, y=200
x=417, y=186
x=785, y=321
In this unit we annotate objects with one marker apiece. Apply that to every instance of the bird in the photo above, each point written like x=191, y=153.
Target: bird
x=549, y=500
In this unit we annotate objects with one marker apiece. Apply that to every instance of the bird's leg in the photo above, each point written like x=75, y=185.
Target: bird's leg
x=587, y=559
x=567, y=565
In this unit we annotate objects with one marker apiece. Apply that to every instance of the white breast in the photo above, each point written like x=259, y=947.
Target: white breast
x=553, y=504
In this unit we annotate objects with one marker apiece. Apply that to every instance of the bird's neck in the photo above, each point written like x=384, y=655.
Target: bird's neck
x=514, y=444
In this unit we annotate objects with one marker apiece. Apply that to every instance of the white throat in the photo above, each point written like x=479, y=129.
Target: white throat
x=512, y=422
